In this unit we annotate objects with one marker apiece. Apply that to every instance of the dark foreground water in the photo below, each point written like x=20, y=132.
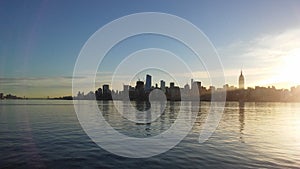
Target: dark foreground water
x=47, y=134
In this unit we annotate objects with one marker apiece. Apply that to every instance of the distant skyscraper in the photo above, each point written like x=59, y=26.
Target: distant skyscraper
x=139, y=85
x=163, y=85
x=172, y=84
x=148, y=83
x=140, y=90
x=241, y=81
x=105, y=89
x=106, y=92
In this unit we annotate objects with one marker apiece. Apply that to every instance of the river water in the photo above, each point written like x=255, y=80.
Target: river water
x=47, y=134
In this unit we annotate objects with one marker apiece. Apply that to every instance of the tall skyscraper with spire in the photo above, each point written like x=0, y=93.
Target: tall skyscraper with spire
x=241, y=81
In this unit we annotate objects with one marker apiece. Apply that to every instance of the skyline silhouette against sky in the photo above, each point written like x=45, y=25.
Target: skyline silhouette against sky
x=40, y=40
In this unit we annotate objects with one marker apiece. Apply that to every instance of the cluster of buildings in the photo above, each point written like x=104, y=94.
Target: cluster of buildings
x=256, y=94
x=9, y=96
x=195, y=91
x=141, y=91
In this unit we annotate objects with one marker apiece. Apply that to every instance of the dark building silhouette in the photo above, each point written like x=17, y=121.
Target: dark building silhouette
x=163, y=85
x=9, y=96
x=98, y=94
x=106, y=93
x=172, y=85
x=132, y=93
x=173, y=93
x=148, y=83
x=140, y=91
x=241, y=81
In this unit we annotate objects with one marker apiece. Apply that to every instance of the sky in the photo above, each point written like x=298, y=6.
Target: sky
x=41, y=40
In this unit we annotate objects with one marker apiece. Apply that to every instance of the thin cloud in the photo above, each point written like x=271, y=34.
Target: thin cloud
x=35, y=82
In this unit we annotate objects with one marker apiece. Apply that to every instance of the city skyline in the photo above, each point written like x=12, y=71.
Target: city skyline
x=185, y=90
x=190, y=92
x=40, y=41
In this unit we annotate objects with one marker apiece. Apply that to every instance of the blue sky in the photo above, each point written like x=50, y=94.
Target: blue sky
x=40, y=40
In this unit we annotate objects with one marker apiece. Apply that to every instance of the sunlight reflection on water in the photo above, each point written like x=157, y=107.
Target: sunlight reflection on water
x=46, y=134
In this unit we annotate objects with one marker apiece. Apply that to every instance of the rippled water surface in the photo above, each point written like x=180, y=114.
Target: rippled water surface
x=47, y=134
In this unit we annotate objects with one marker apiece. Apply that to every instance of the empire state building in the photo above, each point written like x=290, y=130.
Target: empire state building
x=241, y=81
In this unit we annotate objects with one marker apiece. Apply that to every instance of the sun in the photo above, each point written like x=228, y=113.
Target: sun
x=290, y=68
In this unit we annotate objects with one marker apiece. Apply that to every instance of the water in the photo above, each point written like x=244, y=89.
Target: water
x=47, y=134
